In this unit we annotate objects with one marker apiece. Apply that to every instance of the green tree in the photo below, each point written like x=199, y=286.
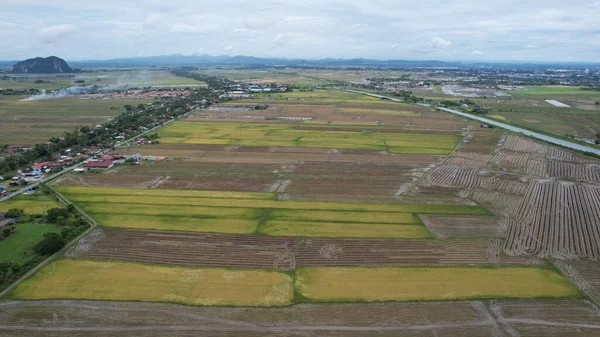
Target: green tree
x=55, y=213
x=51, y=244
x=15, y=213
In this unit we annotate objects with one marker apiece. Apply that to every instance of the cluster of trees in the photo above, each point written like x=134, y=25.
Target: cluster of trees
x=10, y=92
x=474, y=107
x=214, y=82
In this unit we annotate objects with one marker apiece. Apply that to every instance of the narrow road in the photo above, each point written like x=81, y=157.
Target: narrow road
x=532, y=134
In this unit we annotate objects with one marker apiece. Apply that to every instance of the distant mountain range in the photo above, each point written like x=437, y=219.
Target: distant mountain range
x=208, y=60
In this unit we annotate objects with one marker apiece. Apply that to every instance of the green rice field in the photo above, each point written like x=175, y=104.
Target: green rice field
x=253, y=213
x=255, y=134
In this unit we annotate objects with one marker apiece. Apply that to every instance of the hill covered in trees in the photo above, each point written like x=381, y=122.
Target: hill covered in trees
x=40, y=65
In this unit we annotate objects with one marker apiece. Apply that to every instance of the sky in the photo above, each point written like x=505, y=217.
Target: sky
x=467, y=30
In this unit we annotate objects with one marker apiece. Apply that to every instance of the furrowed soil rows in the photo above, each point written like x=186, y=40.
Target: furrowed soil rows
x=469, y=159
x=448, y=176
x=557, y=219
x=578, y=172
x=460, y=226
x=242, y=251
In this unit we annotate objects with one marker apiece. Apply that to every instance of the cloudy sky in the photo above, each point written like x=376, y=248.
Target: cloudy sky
x=493, y=30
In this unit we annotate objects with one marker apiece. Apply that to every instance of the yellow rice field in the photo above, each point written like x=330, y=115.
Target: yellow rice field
x=341, y=284
x=121, y=281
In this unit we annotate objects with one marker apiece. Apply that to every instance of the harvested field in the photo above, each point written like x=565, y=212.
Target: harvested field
x=448, y=176
x=83, y=279
x=443, y=318
x=576, y=172
x=422, y=283
x=285, y=253
x=557, y=219
x=368, y=178
x=469, y=159
x=341, y=229
x=90, y=195
x=463, y=226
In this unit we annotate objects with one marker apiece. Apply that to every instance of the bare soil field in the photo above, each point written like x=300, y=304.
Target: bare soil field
x=330, y=177
x=446, y=318
x=286, y=253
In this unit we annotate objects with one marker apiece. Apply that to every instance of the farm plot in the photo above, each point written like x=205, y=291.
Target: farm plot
x=557, y=219
x=445, y=318
x=283, y=253
x=571, y=171
x=422, y=283
x=254, y=134
x=355, y=177
x=31, y=204
x=248, y=213
x=83, y=279
x=34, y=122
x=464, y=226
x=557, y=317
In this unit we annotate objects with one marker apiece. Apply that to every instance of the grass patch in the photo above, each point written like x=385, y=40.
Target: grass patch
x=121, y=281
x=346, y=284
x=31, y=204
x=18, y=247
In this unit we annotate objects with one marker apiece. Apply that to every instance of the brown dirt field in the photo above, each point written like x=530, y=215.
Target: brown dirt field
x=465, y=226
x=243, y=251
x=557, y=219
x=308, y=180
x=448, y=318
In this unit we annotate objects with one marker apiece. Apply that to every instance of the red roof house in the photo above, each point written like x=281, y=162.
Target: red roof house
x=98, y=164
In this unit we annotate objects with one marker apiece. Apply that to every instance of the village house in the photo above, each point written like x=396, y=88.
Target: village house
x=17, y=148
x=45, y=165
x=98, y=165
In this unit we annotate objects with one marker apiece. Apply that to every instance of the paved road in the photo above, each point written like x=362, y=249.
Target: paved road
x=525, y=132
x=71, y=168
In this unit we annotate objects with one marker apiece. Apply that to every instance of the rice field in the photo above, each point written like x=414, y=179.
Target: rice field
x=253, y=213
x=256, y=134
x=347, y=284
x=124, y=281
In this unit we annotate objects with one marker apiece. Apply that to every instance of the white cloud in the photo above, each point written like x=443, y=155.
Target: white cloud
x=280, y=40
x=228, y=48
x=439, y=43
x=382, y=29
x=476, y=52
x=54, y=33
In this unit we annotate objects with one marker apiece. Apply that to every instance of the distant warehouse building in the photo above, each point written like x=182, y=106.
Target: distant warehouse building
x=98, y=165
